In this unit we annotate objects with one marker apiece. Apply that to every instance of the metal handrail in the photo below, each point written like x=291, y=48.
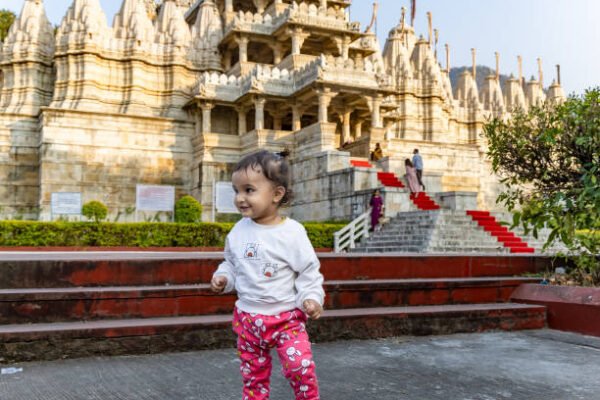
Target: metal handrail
x=348, y=235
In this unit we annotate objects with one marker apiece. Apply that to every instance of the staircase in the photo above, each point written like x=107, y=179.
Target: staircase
x=57, y=309
x=440, y=231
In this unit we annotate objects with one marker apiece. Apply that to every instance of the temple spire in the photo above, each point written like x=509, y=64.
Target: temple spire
x=540, y=72
x=373, y=17
x=436, y=35
x=132, y=21
x=413, y=12
x=447, y=58
x=430, y=28
x=497, y=66
x=403, y=18
x=474, y=58
x=520, y=62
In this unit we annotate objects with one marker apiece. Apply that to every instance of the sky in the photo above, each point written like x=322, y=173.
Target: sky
x=564, y=32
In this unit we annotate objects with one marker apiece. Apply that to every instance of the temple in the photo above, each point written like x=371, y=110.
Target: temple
x=176, y=94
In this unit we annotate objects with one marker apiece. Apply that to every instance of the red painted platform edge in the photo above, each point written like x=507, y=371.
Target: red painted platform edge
x=123, y=248
x=570, y=308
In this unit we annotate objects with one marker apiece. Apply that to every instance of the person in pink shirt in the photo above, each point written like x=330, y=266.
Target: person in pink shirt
x=274, y=269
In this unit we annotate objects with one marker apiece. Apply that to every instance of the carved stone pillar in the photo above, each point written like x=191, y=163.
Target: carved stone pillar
x=376, y=111
x=296, y=117
x=346, y=124
x=206, y=116
x=345, y=47
x=227, y=59
x=298, y=37
x=324, y=101
x=358, y=128
x=277, y=119
x=259, y=104
x=228, y=6
x=323, y=4
x=241, y=120
x=243, y=47
x=277, y=53
x=260, y=5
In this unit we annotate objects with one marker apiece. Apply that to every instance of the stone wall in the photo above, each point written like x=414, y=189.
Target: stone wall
x=104, y=156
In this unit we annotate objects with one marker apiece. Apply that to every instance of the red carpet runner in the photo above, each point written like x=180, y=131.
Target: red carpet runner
x=423, y=201
x=387, y=179
x=504, y=236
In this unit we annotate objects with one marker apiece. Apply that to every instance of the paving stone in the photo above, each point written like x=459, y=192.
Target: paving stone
x=533, y=365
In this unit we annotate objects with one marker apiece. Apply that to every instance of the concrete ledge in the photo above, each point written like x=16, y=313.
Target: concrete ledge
x=48, y=271
x=29, y=342
x=457, y=200
x=573, y=309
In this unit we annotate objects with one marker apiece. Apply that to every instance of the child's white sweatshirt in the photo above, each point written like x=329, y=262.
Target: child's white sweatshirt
x=273, y=268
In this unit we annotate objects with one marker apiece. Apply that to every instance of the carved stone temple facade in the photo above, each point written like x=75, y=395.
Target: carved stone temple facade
x=175, y=96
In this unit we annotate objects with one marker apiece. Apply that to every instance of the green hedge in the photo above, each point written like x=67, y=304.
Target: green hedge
x=145, y=234
x=321, y=235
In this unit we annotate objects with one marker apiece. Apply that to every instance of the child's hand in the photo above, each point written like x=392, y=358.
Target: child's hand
x=218, y=283
x=312, y=308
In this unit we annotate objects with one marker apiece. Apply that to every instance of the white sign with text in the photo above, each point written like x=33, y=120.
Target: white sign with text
x=155, y=198
x=66, y=203
x=225, y=198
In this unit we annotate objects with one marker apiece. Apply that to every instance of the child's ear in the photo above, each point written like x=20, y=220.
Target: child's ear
x=279, y=193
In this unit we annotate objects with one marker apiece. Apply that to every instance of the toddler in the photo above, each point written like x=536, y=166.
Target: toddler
x=272, y=265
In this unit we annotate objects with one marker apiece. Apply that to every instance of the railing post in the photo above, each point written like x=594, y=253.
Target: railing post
x=357, y=228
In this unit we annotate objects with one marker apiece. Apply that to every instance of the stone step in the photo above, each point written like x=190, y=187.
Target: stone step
x=436, y=250
x=47, y=341
x=72, y=304
x=433, y=238
x=54, y=272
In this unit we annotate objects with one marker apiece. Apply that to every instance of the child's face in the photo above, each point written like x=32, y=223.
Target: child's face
x=256, y=197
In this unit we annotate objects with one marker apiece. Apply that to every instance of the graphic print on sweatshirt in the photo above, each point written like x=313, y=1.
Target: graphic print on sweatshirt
x=269, y=270
x=251, y=251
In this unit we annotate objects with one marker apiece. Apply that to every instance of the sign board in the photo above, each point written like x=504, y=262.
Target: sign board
x=225, y=198
x=155, y=198
x=66, y=203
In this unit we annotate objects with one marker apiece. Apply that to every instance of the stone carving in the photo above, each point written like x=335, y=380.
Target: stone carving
x=207, y=33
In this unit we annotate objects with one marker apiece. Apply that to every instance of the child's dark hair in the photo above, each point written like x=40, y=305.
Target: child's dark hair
x=408, y=162
x=273, y=166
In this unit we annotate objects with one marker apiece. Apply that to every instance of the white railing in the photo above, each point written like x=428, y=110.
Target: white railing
x=346, y=237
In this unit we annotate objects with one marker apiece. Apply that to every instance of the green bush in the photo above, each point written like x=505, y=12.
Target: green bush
x=188, y=209
x=94, y=210
x=144, y=234
x=321, y=235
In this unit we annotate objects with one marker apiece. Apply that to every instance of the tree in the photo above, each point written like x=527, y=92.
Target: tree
x=95, y=210
x=6, y=20
x=549, y=161
x=188, y=209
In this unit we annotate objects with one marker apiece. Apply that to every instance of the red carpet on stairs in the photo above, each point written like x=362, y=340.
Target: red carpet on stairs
x=423, y=201
x=361, y=163
x=504, y=236
x=387, y=179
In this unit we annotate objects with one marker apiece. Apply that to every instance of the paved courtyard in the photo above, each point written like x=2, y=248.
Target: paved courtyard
x=531, y=365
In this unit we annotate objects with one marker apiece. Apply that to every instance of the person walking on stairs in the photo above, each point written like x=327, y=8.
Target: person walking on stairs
x=376, y=204
x=417, y=162
x=274, y=269
x=412, y=177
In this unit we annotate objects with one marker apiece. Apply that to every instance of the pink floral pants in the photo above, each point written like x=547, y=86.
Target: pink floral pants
x=257, y=334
